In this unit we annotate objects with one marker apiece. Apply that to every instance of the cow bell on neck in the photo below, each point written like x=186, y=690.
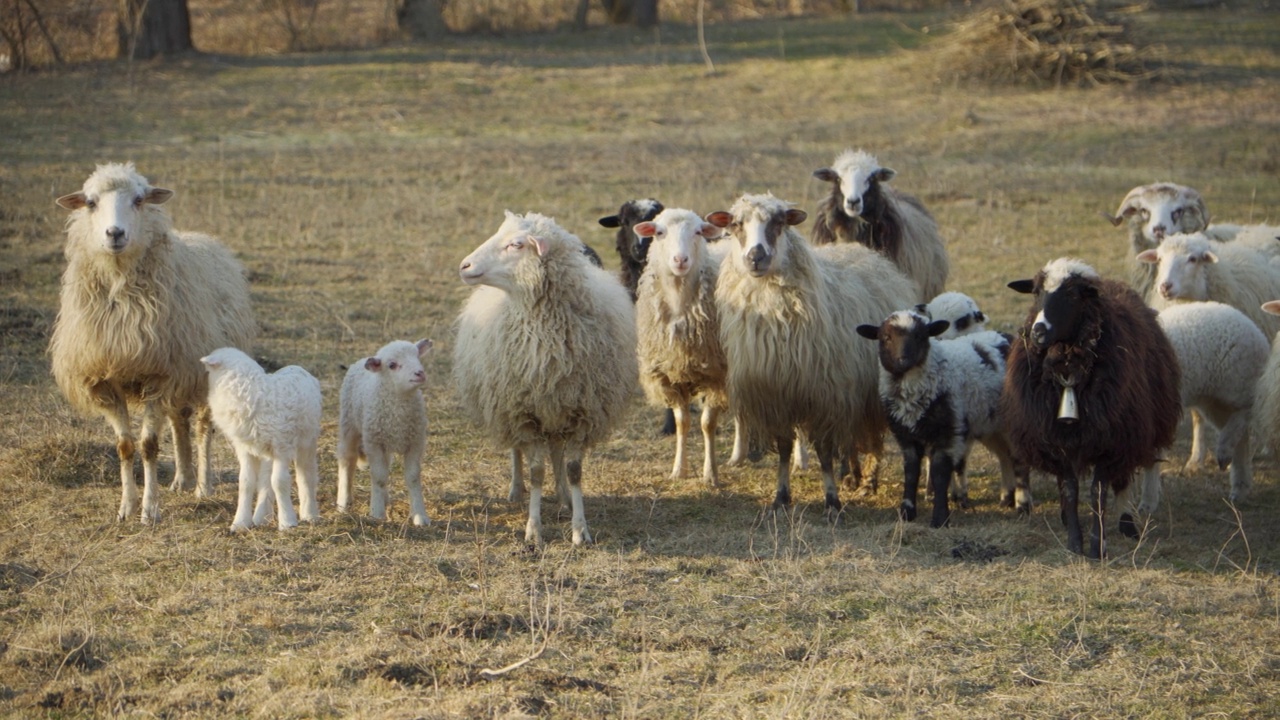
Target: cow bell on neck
x=1067, y=410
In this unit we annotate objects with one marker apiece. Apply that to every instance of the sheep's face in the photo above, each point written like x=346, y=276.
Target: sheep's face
x=1182, y=266
x=904, y=340
x=958, y=309
x=400, y=363
x=1154, y=212
x=497, y=260
x=632, y=246
x=759, y=230
x=852, y=176
x=1061, y=290
x=114, y=199
x=679, y=239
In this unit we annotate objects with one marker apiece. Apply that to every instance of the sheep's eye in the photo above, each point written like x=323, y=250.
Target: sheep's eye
x=393, y=365
x=1176, y=215
x=137, y=202
x=91, y=204
x=1145, y=213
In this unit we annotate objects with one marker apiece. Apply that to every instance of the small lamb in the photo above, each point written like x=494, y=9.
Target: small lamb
x=271, y=420
x=382, y=412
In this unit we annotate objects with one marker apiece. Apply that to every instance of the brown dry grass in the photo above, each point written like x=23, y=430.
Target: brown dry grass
x=352, y=184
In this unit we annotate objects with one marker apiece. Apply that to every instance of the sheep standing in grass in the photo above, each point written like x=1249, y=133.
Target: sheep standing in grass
x=1092, y=382
x=272, y=420
x=863, y=208
x=787, y=319
x=381, y=412
x=1266, y=409
x=141, y=304
x=679, y=333
x=939, y=396
x=633, y=249
x=545, y=358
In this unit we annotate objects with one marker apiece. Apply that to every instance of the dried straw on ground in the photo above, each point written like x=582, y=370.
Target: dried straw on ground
x=1039, y=42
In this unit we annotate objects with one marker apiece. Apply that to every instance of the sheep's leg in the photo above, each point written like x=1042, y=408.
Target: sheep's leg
x=1235, y=435
x=379, y=472
x=204, y=452
x=1015, y=477
x=681, y=413
x=800, y=452
x=940, y=469
x=286, y=518
x=1097, y=515
x=739, y=452
x=117, y=415
x=782, y=497
x=537, y=471
x=1068, y=499
x=669, y=421
x=960, y=486
x=413, y=485
x=710, y=417
x=348, y=455
x=827, y=462
x=246, y=491
x=1196, y=461
x=517, y=476
x=573, y=472
x=150, y=464
x=184, y=467
x=307, y=467
x=266, y=506
x=912, y=460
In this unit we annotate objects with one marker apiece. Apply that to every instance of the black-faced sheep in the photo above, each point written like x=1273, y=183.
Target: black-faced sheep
x=141, y=304
x=863, y=208
x=633, y=250
x=1093, y=382
x=545, y=358
x=679, y=332
x=787, y=319
x=939, y=396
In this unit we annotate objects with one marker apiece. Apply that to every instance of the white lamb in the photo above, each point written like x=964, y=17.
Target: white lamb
x=678, y=330
x=1266, y=410
x=272, y=420
x=382, y=412
x=141, y=304
x=1221, y=354
x=545, y=358
x=787, y=319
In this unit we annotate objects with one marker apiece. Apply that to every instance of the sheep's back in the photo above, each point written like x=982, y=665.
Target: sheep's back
x=1221, y=353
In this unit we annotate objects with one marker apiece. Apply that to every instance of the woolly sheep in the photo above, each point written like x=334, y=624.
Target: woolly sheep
x=141, y=304
x=545, y=357
x=381, y=412
x=1266, y=409
x=939, y=396
x=863, y=208
x=1092, y=381
x=679, y=349
x=787, y=319
x=272, y=420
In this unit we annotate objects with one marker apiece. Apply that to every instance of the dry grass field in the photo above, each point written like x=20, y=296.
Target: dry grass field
x=352, y=184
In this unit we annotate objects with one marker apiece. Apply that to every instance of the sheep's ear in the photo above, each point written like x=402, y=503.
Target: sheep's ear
x=884, y=174
x=1209, y=256
x=424, y=347
x=540, y=244
x=937, y=327
x=710, y=231
x=373, y=364
x=870, y=332
x=1127, y=208
x=210, y=363
x=1150, y=257
x=719, y=218
x=796, y=216
x=979, y=316
x=612, y=221
x=158, y=196
x=1026, y=287
x=923, y=309
x=826, y=175
x=646, y=229
x=1271, y=306
x=1114, y=220
x=74, y=201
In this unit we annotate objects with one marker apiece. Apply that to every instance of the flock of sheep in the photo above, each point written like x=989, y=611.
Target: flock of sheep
x=827, y=341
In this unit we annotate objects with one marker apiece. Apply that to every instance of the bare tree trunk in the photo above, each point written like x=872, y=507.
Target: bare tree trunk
x=646, y=13
x=422, y=19
x=643, y=13
x=147, y=28
x=580, y=15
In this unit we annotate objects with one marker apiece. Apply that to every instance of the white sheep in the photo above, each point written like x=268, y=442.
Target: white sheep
x=863, y=208
x=545, y=358
x=679, y=350
x=961, y=312
x=1266, y=408
x=272, y=420
x=141, y=304
x=939, y=396
x=787, y=319
x=381, y=412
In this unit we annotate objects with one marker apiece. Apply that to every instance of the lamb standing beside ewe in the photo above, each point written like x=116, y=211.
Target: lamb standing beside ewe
x=862, y=208
x=1092, y=381
x=381, y=412
x=272, y=420
x=787, y=318
x=141, y=304
x=545, y=359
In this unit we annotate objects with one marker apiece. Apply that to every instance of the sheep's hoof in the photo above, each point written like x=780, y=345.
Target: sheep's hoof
x=581, y=537
x=421, y=521
x=516, y=494
x=1006, y=499
x=940, y=519
x=286, y=526
x=1128, y=527
x=1024, y=508
x=1192, y=467
x=151, y=517
x=240, y=527
x=1223, y=462
x=963, y=501
x=1237, y=496
x=907, y=511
